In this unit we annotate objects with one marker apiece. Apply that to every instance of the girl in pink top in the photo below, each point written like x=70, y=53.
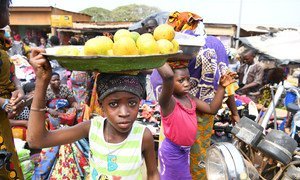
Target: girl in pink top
x=178, y=110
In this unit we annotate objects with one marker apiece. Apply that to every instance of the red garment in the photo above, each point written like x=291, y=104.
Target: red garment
x=17, y=37
x=181, y=125
x=243, y=98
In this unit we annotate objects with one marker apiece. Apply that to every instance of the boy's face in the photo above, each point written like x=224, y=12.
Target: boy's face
x=181, y=81
x=121, y=109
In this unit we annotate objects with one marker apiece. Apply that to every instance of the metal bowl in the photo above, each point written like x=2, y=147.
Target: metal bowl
x=189, y=49
x=189, y=52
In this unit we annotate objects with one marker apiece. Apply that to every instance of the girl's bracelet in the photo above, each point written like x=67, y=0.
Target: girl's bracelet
x=39, y=110
x=6, y=102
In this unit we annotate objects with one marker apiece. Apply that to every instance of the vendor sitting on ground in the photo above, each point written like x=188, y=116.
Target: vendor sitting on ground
x=61, y=102
x=250, y=73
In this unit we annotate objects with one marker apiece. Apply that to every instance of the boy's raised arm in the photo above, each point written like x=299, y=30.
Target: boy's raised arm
x=37, y=134
x=36, y=124
x=165, y=99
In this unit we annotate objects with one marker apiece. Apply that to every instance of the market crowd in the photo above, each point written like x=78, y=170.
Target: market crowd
x=74, y=98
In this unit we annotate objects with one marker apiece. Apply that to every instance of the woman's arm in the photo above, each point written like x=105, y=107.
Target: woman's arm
x=166, y=102
x=14, y=122
x=149, y=154
x=37, y=135
x=235, y=117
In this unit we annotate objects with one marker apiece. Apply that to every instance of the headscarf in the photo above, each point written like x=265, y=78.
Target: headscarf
x=182, y=21
x=110, y=83
x=187, y=23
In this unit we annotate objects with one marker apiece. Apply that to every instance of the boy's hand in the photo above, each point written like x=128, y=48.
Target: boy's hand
x=40, y=65
x=228, y=78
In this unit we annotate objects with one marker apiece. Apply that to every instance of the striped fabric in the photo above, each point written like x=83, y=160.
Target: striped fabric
x=115, y=161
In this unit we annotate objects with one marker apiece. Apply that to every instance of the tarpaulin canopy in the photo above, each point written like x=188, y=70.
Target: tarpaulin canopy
x=161, y=18
x=283, y=46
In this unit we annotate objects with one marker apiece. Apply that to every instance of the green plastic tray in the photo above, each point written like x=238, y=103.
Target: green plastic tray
x=109, y=63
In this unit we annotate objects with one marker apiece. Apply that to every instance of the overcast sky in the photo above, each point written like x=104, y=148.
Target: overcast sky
x=255, y=12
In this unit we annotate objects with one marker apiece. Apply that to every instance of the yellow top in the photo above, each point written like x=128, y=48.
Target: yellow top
x=7, y=70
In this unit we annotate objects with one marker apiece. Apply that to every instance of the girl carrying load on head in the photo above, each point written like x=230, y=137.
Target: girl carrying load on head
x=117, y=144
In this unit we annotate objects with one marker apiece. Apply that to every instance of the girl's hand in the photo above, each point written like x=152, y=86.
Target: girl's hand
x=227, y=79
x=40, y=65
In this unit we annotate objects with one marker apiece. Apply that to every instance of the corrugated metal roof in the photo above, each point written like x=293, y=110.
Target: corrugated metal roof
x=93, y=27
x=267, y=29
x=107, y=25
x=283, y=46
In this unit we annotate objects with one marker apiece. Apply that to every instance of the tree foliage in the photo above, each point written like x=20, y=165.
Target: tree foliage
x=131, y=12
x=98, y=14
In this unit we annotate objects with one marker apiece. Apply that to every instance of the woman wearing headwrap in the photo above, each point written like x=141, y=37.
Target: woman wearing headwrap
x=61, y=102
x=182, y=21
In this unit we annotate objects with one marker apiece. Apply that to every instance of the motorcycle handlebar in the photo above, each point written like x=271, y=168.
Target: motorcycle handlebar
x=226, y=129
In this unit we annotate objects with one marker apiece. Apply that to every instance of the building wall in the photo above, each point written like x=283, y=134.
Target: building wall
x=41, y=15
x=76, y=17
x=24, y=20
x=29, y=17
x=223, y=32
x=220, y=30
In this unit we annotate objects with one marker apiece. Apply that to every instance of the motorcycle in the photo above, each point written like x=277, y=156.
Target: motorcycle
x=255, y=153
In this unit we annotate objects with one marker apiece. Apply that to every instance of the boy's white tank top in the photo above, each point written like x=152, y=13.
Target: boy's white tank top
x=113, y=161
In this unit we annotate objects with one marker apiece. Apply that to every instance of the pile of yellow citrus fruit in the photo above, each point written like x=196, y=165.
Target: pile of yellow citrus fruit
x=131, y=43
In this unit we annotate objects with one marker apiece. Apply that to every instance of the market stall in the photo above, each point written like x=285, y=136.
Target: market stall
x=282, y=47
